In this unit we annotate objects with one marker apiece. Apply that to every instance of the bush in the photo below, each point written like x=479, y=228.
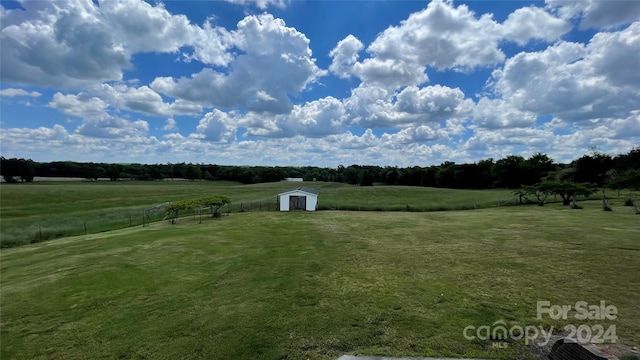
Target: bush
x=628, y=202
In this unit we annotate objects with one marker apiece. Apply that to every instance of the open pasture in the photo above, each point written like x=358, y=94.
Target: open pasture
x=45, y=210
x=270, y=285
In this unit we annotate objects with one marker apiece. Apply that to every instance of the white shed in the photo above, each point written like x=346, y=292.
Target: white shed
x=303, y=198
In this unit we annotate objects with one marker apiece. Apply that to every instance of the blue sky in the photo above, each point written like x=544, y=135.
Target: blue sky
x=277, y=82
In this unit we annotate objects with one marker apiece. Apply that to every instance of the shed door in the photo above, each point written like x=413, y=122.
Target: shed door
x=297, y=202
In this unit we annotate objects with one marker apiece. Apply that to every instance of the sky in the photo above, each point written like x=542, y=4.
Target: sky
x=321, y=83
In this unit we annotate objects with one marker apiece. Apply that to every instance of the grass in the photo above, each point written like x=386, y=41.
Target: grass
x=270, y=285
x=46, y=210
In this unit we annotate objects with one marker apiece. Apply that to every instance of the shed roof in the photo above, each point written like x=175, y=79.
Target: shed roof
x=309, y=190
x=303, y=189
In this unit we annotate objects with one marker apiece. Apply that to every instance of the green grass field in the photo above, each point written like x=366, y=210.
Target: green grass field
x=45, y=210
x=270, y=285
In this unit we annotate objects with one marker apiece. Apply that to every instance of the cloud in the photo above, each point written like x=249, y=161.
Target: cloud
x=75, y=43
x=416, y=134
x=113, y=127
x=424, y=145
x=96, y=99
x=627, y=128
x=498, y=113
x=596, y=13
x=533, y=22
x=78, y=106
x=216, y=126
x=314, y=119
x=276, y=63
x=444, y=37
x=51, y=49
x=372, y=106
x=345, y=55
x=170, y=125
x=11, y=92
x=441, y=36
x=576, y=82
x=390, y=73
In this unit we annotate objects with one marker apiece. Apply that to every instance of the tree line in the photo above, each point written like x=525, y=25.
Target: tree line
x=595, y=168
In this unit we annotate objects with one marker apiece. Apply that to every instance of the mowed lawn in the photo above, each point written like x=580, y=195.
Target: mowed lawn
x=41, y=211
x=270, y=285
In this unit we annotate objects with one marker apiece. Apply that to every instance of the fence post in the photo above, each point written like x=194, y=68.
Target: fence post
x=200, y=216
x=129, y=220
x=40, y=229
x=85, y=227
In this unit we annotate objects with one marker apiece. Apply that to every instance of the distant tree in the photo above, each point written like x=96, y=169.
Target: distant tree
x=445, y=177
x=629, y=179
x=114, y=172
x=593, y=168
x=483, y=177
x=192, y=172
x=14, y=169
x=537, y=167
x=351, y=175
x=509, y=172
x=391, y=176
x=28, y=170
x=155, y=173
x=429, y=177
x=272, y=174
x=561, y=175
x=630, y=160
x=10, y=169
x=207, y=176
x=366, y=179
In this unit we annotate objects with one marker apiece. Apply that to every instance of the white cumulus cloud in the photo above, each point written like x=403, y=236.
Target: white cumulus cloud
x=598, y=13
x=276, y=63
x=576, y=82
x=11, y=92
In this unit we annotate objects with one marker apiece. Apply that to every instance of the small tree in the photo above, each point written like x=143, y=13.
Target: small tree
x=521, y=194
x=540, y=191
x=213, y=202
x=569, y=191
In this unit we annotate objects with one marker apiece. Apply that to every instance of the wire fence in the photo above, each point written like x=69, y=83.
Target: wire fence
x=19, y=233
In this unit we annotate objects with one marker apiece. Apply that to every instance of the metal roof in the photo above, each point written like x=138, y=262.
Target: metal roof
x=308, y=189
x=303, y=189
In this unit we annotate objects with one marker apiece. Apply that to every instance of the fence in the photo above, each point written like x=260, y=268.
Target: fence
x=14, y=233
x=19, y=232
